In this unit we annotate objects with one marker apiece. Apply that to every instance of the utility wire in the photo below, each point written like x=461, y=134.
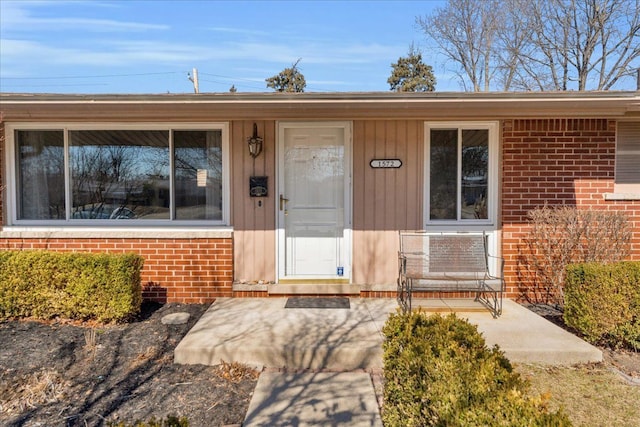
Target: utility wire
x=89, y=77
x=233, y=79
x=56, y=85
x=231, y=82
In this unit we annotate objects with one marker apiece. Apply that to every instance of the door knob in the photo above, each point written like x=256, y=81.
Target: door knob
x=283, y=200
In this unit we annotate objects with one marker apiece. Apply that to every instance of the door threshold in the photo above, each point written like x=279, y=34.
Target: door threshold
x=313, y=281
x=313, y=288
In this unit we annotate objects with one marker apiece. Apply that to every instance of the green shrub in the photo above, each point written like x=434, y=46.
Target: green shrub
x=83, y=286
x=439, y=372
x=602, y=301
x=170, y=421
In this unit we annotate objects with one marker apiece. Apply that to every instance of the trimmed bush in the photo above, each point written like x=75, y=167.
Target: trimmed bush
x=439, y=372
x=602, y=302
x=82, y=286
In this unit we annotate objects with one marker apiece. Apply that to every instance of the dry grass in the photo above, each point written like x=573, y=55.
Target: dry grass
x=20, y=393
x=592, y=395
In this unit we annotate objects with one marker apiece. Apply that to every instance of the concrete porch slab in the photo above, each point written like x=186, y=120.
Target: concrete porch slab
x=526, y=337
x=261, y=332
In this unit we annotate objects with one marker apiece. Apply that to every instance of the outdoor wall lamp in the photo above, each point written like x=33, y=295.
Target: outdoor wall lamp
x=255, y=143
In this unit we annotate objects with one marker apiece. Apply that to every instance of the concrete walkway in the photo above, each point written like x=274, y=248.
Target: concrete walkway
x=313, y=398
x=317, y=351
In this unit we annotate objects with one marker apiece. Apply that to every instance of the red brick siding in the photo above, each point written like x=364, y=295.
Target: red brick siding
x=2, y=180
x=175, y=270
x=557, y=162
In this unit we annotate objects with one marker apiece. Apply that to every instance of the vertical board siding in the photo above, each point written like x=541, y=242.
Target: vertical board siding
x=253, y=218
x=384, y=200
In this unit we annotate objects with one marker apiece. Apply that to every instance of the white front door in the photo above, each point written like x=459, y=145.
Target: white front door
x=314, y=201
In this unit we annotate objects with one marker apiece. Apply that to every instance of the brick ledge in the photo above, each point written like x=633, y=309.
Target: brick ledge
x=117, y=233
x=622, y=196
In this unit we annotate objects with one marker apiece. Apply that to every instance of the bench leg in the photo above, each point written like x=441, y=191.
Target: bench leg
x=492, y=299
x=403, y=293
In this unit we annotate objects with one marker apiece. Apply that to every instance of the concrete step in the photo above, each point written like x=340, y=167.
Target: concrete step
x=313, y=289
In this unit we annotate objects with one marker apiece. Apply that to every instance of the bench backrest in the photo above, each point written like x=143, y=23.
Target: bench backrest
x=445, y=252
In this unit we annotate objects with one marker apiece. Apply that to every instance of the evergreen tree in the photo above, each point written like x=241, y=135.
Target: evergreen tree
x=289, y=80
x=410, y=74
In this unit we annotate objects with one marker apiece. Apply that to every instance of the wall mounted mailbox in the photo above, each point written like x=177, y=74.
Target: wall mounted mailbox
x=385, y=163
x=258, y=186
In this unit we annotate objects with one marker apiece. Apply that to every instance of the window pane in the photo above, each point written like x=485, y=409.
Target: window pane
x=119, y=174
x=444, y=172
x=40, y=180
x=475, y=169
x=198, y=174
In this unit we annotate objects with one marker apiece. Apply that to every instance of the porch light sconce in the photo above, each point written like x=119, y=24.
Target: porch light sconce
x=255, y=143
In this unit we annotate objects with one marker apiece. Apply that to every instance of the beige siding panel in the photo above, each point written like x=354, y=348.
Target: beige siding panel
x=385, y=200
x=253, y=218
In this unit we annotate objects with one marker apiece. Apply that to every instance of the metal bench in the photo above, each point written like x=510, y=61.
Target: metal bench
x=449, y=262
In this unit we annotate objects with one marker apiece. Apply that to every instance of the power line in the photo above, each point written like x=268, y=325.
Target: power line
x=57, y=85
x=231, y=82
x=89, y=77
x=233, y=79
x=228, y=77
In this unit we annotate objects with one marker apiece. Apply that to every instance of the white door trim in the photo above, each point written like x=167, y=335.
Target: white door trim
x=346, y=126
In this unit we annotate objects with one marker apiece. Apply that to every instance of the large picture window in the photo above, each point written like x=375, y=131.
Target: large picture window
x=460, y=172
x=84, y=176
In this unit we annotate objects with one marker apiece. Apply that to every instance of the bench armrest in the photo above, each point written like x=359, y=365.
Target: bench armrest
x=500, y=269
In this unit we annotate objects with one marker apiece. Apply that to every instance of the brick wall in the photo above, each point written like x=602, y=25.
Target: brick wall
x=557, y=162
x=175, y=270
x=2, y=180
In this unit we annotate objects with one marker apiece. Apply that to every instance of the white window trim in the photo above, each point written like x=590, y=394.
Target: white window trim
x=11, y=190
x=492, y=179
x=622, y=191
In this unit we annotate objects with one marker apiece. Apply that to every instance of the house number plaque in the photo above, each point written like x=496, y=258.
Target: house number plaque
x=385, y=163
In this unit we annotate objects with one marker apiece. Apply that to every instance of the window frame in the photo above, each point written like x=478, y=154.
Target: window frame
x=628, y=189
x=65, y=127
x=492, y=178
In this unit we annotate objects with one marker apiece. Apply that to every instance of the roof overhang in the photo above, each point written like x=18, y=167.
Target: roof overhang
x=344, y=105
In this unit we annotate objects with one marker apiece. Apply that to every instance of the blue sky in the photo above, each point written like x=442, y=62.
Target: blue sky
x=150, y=46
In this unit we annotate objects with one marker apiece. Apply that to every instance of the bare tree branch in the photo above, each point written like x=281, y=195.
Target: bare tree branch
x=538, y=44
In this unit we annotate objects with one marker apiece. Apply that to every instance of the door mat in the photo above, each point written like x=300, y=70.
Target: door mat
x=310, y=302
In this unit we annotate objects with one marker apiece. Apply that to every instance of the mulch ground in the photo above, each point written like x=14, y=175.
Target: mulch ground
x=56, y=374
x=61, y=374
